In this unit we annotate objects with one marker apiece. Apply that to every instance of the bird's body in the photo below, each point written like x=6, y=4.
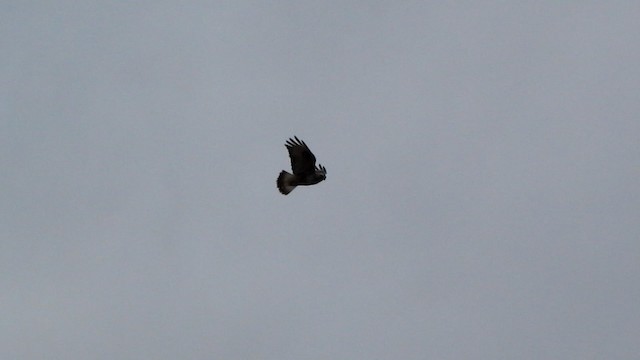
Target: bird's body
x=303, y=165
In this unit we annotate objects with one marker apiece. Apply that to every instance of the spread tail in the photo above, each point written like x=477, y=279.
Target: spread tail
x=285, y=182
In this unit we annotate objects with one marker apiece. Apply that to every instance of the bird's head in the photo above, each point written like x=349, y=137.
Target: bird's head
x=321, y=173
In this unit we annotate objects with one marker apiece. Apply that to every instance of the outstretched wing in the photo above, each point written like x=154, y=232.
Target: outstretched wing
x=303, y=163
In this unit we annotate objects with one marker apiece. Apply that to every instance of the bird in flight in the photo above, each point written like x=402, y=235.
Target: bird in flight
x=303, y=164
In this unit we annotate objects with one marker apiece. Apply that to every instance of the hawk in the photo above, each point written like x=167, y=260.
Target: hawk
x=303, y=164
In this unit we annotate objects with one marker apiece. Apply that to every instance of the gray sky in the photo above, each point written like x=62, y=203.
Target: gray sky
x=482, y=199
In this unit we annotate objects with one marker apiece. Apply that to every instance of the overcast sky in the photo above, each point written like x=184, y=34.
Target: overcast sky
x=482, y=198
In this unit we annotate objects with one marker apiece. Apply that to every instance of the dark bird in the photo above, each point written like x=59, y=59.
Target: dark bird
x=303, y=164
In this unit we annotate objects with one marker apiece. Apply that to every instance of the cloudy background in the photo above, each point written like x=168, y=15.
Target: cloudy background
x=482, y=199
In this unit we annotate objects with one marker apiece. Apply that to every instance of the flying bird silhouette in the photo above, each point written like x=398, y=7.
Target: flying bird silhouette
x=303, y=165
